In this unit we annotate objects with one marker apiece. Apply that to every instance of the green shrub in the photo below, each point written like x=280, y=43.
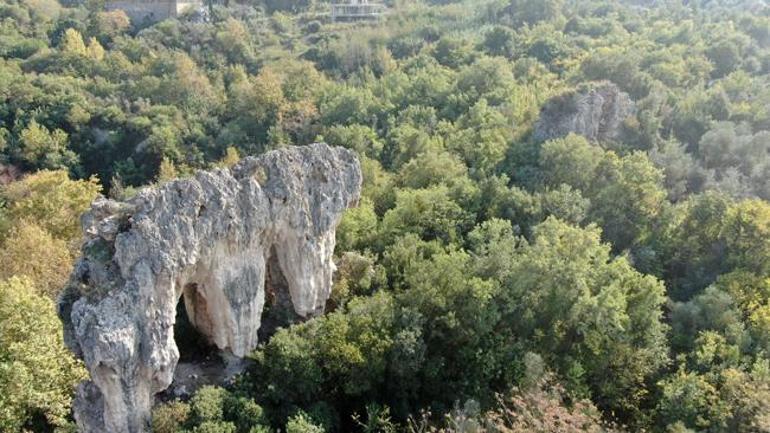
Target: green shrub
x=301, y=423
x=170, y=417
x=208, y=404
x=215, y=427
x=245, y=413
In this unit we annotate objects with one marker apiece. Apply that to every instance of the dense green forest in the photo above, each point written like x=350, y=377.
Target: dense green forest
x=493, y=278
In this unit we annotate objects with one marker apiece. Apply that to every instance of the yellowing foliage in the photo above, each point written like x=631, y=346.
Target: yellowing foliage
x=747, y=234
x=32, y=252
x=37, y=373
x=230, y=159
x=73, y=43
x=167, y=171
x=95, y=49
x=53, y=201
x=38, y=142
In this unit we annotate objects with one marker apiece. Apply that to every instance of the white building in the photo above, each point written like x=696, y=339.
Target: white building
x=152, y=10
x=356, y=10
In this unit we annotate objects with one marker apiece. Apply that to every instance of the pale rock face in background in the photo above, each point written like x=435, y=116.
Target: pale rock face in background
x=208, y=238
x=596, y=111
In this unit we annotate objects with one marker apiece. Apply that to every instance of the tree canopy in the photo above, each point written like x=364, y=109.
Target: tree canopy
x=490, y=279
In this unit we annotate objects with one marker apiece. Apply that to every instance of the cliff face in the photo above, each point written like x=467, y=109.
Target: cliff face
x=595, y=111
x=209, y=238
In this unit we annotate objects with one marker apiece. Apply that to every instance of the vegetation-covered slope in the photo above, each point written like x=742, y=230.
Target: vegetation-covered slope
x=623, y=281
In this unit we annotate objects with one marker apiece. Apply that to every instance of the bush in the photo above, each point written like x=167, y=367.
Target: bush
x=301, y=423
x=208, y=404
x=170, y=417
x=313, y=27
x=544, y=408
x=215, y=427
x=245, y=413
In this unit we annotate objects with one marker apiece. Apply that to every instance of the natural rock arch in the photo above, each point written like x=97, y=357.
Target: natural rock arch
x=210, y=236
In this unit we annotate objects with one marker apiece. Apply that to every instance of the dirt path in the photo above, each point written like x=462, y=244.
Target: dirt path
x=214, y=369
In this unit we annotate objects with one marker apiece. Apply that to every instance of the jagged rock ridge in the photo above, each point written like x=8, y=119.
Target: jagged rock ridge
x=209, y=238
x=596, y=111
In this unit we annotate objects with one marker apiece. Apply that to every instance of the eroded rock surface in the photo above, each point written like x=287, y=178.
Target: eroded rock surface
x=596, y=111
x=209, y=238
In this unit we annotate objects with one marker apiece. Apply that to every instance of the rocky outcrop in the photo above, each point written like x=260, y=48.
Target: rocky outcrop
x=596, y=111
x=210, y=239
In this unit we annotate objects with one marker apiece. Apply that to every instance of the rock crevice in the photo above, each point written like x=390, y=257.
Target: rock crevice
x=209, y=238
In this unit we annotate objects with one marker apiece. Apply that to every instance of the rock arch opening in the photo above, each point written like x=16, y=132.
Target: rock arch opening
x=201, y=360
x=278, y=310
x=193, y=345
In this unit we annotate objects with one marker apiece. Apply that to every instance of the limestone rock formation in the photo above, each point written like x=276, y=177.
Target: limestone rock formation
x=596, y=111
x=209, y=238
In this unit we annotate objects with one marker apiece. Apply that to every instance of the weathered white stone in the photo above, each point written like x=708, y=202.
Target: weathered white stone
x=596, y=111
x=208, y=238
